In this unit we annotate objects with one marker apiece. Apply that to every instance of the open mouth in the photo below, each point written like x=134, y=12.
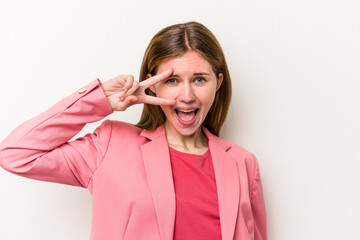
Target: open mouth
x=186, y=115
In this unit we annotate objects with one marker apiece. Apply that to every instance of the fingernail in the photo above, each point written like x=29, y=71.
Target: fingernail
x=121, y=99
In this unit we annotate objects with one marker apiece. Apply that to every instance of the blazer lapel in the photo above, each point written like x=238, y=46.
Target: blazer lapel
x=159, y=174
x=227, y=183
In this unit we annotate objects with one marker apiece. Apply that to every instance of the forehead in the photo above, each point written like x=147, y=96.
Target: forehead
x=188, y=63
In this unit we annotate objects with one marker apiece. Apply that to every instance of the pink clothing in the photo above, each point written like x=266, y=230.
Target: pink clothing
x=197, y=210
x=128, y=170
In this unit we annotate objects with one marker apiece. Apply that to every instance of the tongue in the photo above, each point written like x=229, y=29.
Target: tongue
x=186, y=116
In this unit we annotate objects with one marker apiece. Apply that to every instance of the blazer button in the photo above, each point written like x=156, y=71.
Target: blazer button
x=81, y=91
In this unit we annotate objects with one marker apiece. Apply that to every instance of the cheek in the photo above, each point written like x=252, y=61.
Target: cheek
x=166, y=110
x=207, y=98
x=167, y=93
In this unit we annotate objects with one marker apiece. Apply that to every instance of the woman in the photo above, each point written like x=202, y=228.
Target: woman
x=168, y=177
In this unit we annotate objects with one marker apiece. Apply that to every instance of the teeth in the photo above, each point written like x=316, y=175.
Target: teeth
x=186, y=111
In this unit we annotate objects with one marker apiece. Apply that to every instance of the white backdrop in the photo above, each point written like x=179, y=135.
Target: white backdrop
x=295, y=70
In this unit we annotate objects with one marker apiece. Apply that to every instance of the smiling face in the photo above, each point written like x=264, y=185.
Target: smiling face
x=193, y=85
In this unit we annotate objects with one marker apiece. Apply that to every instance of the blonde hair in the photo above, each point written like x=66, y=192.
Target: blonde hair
x=172, y=42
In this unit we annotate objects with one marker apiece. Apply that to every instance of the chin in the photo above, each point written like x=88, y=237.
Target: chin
x=187, y=133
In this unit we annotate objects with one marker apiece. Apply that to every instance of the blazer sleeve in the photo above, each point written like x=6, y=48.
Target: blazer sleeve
x=39, y=147
x=258, y=205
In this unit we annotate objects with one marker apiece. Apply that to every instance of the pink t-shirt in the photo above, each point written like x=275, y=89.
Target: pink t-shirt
x=197, y=210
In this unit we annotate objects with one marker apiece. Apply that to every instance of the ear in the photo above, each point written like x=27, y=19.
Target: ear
x=219, y=81
x=152, y=86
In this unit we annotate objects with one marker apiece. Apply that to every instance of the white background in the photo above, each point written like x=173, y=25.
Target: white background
x=295, y=71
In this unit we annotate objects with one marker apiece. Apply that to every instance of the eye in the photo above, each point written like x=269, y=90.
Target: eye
x=171, y=81
x=200, y=80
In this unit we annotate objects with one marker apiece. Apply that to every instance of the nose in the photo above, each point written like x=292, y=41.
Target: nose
x=187, y=94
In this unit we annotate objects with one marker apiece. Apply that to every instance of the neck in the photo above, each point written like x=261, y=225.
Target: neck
x=192, y=144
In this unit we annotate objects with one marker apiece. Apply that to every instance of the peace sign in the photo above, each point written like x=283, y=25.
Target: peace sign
x=122, y=91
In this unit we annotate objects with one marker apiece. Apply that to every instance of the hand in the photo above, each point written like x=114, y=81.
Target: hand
x=123, y=92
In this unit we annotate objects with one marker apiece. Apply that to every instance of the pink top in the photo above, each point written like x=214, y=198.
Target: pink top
x=197, y=210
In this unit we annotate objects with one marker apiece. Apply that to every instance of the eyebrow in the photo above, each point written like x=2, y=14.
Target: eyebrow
x=195, y=74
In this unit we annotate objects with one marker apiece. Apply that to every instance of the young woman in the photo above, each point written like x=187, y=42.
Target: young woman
x=168, y=177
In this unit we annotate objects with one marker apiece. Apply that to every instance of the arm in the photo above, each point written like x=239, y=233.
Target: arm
x=38, y=148
x=258, y=205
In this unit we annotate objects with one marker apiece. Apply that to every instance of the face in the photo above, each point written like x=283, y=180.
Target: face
x=193, y=85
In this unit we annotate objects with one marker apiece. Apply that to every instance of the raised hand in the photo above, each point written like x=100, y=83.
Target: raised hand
x=123, y=91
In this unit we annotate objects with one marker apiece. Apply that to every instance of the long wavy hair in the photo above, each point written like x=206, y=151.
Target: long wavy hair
x=173, y=41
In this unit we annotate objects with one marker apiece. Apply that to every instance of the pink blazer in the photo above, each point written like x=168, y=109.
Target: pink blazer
x=128, y=171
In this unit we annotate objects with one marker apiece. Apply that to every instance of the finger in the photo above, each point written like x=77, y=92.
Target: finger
x=157, y=78
x=156, y=100
x=128, y=83
x=133, y=88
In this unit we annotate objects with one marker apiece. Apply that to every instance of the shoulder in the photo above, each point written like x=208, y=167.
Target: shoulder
x=116, y=127
x=240, y=154
x=235, y=149
x=117, y=134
